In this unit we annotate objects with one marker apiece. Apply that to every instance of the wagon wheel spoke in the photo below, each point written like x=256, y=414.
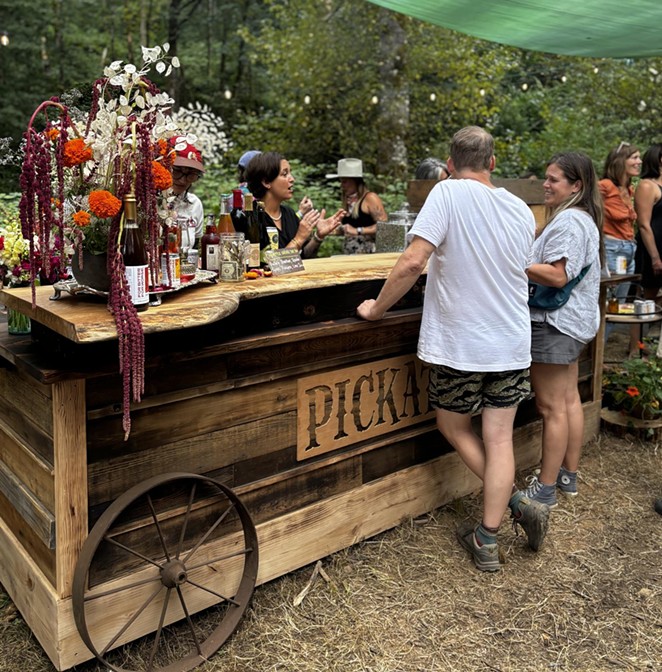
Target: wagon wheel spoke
x=220, y=558
x=204, y=538
x=157, y=525
x=187, y=516
x=213, y=592
x=132, y=551
x=182, y=601
x=159, y=630
x=121, y=589
x=132, y=620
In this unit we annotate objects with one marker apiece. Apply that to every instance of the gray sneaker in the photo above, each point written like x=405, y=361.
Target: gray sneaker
x=537, y=492
x=534, y=519
x=486, y=557
x=566, y=482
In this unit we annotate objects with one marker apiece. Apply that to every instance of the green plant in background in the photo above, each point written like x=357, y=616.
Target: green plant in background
x=635, y=387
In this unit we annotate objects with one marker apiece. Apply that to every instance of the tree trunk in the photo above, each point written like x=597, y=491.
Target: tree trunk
x=394, y=103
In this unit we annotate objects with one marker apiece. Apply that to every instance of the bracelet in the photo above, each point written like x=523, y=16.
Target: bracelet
x=299, y=214
x=317, y=238
x=359, y=230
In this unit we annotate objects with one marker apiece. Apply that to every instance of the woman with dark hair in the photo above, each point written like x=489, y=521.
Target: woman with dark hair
x=648, y=205
x=570, y=242
x=364, y=208
x=270, y=180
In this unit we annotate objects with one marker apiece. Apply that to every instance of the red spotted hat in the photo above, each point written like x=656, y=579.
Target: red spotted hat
x=187, y=155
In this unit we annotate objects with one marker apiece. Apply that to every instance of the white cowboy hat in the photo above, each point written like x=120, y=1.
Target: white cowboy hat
x=348, y=168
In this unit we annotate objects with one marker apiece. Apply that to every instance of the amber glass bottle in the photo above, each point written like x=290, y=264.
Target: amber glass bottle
x=225, y=219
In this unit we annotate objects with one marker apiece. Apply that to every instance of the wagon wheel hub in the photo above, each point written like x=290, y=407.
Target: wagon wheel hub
x=173, y=573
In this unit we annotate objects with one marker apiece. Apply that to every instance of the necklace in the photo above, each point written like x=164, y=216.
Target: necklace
x=276, y=219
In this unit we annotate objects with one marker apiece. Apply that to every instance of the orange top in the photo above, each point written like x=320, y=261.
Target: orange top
x=619, y=215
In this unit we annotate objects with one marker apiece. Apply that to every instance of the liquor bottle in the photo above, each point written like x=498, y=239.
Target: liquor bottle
x=134, y=254
x=239, y=219
x=253, y=231
x=225, y=219
x=209, y=244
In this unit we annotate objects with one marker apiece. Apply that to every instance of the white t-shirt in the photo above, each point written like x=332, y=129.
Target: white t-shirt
x=189, y=206
x=475, y=312
x=572, y=235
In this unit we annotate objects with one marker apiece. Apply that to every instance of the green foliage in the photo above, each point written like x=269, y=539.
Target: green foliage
x=300, y=77
x=635, y=387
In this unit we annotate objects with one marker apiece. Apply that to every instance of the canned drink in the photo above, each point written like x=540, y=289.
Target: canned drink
x=639, y=307
x=172, y=279
x=651, y=308
x=272, y=233
x=621, y=265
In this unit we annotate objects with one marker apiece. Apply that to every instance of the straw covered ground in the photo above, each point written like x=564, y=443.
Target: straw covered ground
x=410, y=599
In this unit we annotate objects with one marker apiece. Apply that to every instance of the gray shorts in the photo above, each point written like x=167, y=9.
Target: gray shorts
x=469, y=391
x=550, y=346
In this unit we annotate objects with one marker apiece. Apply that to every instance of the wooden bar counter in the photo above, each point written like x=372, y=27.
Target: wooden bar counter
x=316, y=420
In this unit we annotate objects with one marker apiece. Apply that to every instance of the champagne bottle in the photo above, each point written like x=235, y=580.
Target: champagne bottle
x=253, y=231
x=225, y=219
x=134, y=254
x=238, y=215
x=209, y=244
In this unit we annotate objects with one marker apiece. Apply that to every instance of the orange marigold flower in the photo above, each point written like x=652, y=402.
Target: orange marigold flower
x=52, y=134
x=161, y=175
x=82, y=218
x=103, y=204
x=641, y=345
x=76, y=152
x=161, y=147
x=633, y=391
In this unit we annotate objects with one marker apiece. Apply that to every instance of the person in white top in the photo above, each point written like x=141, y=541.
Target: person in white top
x=475, y=331
x=570, y=242
x=187, y=169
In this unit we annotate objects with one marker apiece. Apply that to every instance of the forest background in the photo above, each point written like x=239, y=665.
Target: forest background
x=319, y=80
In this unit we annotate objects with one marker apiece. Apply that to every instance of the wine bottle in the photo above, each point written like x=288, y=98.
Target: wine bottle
x=134, y=254
x=238, y=215
x=209, y=244
x=225, y=219
x=253, y=231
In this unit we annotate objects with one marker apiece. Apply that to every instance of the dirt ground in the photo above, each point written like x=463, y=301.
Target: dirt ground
x=410, y=599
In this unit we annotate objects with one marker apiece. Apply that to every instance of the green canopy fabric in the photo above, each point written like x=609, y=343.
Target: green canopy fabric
x=598, y=28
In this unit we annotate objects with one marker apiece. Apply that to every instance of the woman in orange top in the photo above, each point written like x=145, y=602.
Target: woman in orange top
x=622, y=164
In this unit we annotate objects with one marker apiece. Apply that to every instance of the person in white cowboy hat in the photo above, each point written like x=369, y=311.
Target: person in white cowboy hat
x=364, y=208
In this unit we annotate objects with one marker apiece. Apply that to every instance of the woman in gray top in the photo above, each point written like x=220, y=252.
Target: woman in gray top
x=570, y=241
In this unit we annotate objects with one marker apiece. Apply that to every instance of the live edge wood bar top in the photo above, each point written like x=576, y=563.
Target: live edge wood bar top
x=86, y=319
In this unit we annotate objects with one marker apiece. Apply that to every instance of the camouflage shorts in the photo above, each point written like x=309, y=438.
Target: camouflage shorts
x=470, y=391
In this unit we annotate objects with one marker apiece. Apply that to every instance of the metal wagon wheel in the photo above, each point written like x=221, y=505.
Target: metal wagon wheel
x=203, y=552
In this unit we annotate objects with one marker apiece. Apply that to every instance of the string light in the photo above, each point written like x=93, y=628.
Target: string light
x=564, y=79
x=4, y=38
x=482, y=92
x=525, y=86
x=228, y=94
x=306, y=100
x=374, y=100
x=433, y=97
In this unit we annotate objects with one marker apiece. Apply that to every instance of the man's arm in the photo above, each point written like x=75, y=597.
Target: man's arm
x=401, y=279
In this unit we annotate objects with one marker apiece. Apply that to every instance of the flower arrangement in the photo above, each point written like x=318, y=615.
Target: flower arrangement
x=634, y=387
x=15, y=264
x=14, y=251
x=77, y=170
